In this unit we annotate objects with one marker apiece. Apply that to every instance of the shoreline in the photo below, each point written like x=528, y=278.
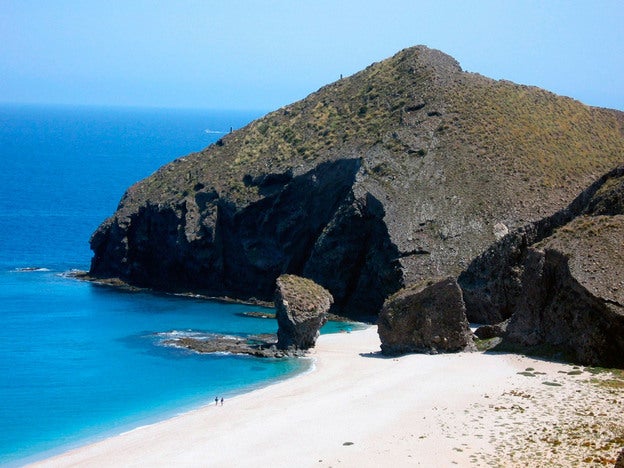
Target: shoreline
x=118, y=283
x=307, y=366
x=359, y=408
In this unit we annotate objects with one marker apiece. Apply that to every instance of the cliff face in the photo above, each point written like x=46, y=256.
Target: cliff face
x=573, y=293
x=400, y=173
x=310, y=223
x=559, y=281
x=494, y=283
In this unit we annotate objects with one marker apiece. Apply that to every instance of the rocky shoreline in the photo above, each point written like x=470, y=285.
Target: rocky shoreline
x=293, y=318
x=118, y=283
x=262, y=346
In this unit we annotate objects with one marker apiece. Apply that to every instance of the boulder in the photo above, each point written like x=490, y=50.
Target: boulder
x=486, y=332
x=301, y=310
x=428, y=318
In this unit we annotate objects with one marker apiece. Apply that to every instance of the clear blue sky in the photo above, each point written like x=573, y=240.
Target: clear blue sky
x=264, y=54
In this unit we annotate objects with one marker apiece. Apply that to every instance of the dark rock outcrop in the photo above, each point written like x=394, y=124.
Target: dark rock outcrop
x=309, y=224
x=573, y=293
x=486, y=332
x=425, y=319
x=492, y=283
x=400, y=173
x=559, y=281
x=301, y=307
x=255, y=345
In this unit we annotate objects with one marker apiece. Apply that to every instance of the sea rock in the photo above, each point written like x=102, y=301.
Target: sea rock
x=254, y=345
x=302, y=307
x=429, y=318
x=398, y=174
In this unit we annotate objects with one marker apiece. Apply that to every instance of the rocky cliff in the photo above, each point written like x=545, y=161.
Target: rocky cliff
x=573, y=293
x=492, y=283
x=558, y=282
x=402, y=172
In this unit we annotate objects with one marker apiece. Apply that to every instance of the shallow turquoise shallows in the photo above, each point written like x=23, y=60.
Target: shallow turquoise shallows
x=79, y=362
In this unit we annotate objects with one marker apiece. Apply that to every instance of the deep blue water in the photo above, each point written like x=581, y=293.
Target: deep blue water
x=79, y=361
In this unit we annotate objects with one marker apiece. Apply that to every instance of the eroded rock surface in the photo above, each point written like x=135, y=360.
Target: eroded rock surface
x=302, y=307
x=430, y=318
x=255, y=345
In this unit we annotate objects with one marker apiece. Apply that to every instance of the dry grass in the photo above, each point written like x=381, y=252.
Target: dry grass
x=560, y=419
x=302, y=293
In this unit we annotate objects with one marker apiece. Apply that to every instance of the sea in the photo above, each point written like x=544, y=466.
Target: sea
x=80, y=362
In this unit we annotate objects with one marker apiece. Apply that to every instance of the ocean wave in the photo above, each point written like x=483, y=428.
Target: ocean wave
x=72, y=274
x=177, y=334
x=213, y=132
x=195, y=334
x=31, y=269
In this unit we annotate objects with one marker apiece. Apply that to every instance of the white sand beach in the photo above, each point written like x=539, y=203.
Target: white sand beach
x=359, y=409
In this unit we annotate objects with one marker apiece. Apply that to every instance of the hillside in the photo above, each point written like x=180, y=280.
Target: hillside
x=404, y=171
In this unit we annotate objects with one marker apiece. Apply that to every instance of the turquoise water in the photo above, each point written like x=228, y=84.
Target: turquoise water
x=78, y=361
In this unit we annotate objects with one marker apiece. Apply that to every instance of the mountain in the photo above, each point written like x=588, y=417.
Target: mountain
x=400, y=173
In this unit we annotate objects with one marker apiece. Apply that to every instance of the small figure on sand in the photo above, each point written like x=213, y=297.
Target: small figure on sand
x=216, y=401
x=221, y=401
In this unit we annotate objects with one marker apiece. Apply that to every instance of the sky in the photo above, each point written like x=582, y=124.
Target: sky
x=263, y=54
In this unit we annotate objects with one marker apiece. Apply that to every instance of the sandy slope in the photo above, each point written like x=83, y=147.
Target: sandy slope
x=358, y=409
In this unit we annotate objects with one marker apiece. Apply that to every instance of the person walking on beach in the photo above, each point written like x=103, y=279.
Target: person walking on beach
x=216, y=401
x=221, y=401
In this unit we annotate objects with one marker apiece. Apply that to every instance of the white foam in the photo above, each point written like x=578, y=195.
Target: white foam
x=31, y=269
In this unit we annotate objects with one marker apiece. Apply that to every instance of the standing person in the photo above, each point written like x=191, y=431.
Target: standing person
x=216, y=401
x=221, y=401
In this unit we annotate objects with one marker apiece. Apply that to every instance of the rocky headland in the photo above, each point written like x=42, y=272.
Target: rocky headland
x=400, y=173
x=406, y=172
